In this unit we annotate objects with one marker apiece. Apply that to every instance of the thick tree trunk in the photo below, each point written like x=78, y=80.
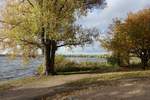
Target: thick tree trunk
x=53, y=51
x=47, y=59
x=49, y=54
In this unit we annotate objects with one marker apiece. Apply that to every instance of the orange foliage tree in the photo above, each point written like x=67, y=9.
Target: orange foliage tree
x=131, y=35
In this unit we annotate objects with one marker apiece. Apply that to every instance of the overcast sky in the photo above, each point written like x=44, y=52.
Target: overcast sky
x=101, y=18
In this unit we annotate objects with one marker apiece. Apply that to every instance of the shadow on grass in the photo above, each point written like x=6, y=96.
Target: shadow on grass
x=103, y=70
x=86, y=69
x=84, y=72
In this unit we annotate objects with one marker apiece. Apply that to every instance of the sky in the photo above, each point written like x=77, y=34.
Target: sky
x=101, y=19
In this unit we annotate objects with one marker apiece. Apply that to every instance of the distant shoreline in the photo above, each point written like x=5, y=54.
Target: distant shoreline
x=82, y=56
x=4, y=55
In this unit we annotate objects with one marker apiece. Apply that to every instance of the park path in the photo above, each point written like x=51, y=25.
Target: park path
x=123, y=89
x=39, y=88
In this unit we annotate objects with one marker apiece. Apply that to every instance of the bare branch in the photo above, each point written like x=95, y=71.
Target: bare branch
x=30, y=3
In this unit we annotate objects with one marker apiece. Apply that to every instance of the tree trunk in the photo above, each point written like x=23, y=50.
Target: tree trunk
x=119, y=59
x=49, y=54
x=128, y=59
x=47, y=59
x=144, y=62
x=53, y=51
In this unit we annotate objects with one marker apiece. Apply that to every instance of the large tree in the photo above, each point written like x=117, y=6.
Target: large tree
x=28, y=25
x=132, y=35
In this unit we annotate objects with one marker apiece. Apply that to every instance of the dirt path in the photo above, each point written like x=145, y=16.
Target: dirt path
x=38, y=89
x=124, y=89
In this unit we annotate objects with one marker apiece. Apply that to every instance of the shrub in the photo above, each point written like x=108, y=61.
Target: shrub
x=112, y=60
x=65, y=65
x=40, y=70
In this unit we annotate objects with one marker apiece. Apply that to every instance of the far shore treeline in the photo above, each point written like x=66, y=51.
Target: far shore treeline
x=69, y=55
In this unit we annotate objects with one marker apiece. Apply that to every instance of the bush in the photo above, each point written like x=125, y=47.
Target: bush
x=40, y=70
x=112, y=60
x=65, y=65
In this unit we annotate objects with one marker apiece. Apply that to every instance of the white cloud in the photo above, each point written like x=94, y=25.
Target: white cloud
x=102, y=18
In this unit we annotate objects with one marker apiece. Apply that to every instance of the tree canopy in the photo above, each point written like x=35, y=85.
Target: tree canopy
x=131, y=35
x=28, y=25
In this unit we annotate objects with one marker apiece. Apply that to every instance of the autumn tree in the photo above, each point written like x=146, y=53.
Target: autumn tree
x=117, y=41
x=28, y=25
x=131, y=35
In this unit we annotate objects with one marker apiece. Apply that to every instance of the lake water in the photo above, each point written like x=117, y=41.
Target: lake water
x=12, y=69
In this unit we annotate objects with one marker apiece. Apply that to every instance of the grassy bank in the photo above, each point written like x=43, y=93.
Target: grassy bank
x=112, y=76
x=66, y=66
x=6, y=85
x=89, y=56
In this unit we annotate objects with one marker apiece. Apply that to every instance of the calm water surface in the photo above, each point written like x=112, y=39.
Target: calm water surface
x=12, y=69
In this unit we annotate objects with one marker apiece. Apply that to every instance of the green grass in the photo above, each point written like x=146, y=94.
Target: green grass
x=100, y=80
x=6, y=85
x=112, y=76
x=65, y=66
x=89, y=56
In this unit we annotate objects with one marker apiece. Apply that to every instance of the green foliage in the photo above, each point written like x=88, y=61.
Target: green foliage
x=112, y=60
x=70, y=66
x=135, y=60
x=41, y=70
x=30, y=23
x=65, y=65
x=90, y=56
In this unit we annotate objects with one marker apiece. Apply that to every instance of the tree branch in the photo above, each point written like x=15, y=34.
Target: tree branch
x=1, y=21
x=31, y=42
x=30, y=3
x=73, y=44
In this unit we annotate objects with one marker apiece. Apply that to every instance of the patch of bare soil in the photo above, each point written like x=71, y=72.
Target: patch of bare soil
x=124, y=89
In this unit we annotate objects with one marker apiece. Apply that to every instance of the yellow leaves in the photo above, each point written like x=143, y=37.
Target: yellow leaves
x=46, y=19
x=131, y=34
